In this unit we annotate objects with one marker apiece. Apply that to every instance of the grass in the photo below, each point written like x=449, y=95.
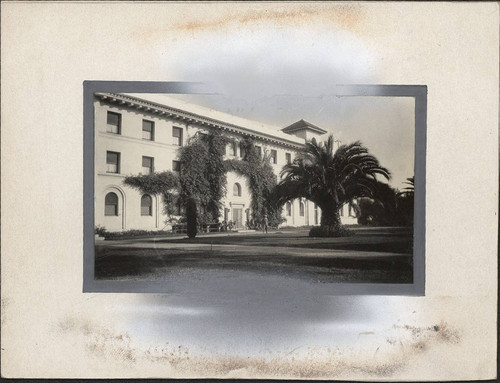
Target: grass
x=373, y=255
x=395, y=240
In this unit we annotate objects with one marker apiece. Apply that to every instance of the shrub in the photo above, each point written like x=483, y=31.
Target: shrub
x=100, y=230
x=134, y=233
x=320, y=231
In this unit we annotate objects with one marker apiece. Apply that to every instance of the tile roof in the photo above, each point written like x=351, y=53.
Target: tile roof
x=301, y=125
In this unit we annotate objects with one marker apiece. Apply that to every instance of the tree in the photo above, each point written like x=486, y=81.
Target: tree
x=410, y=190
x=331, y=179
x=406, y=200
x=381, y=209
x=192, y=218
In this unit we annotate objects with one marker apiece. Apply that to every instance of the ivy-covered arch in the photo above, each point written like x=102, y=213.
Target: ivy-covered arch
x=262, y=182
x=202, y=183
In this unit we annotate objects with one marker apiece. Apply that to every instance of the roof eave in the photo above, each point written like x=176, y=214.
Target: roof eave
x=167, y=111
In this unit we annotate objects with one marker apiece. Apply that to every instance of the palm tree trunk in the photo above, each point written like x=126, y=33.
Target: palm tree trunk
x=330, y=221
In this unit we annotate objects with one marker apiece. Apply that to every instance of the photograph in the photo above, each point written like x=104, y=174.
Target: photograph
x=320, y=191
x=249, y=190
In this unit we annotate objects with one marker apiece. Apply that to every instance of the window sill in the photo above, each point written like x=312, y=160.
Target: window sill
x=110, y=174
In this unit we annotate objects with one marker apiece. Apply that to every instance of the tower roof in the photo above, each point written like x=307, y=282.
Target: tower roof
x=303, y=125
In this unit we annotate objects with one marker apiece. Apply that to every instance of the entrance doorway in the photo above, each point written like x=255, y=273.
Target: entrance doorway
x=238, y=218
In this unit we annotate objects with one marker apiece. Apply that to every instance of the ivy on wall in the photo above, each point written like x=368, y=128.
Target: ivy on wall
x=165, y=184
x=203, y=174
x=194, y=185
x=202, y=183
x=215, y=172
x=262, y=183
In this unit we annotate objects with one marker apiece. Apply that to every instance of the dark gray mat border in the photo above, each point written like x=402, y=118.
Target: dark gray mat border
x=418, y=92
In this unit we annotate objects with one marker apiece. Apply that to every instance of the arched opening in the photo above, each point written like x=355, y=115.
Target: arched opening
x=301, y=209
x=111, y=204
x=237, y=190
x=289, y=209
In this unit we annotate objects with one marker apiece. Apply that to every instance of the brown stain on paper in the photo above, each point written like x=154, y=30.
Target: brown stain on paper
x=313, y=362
x=101, y=341
x=344, y=16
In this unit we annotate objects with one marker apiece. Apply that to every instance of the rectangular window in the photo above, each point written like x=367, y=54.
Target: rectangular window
x=176, y=166
x=110, y=210
x=147, y=165
x=235, y=149
x=259, y=151
x=177, y=136
x=114, y=123
x=288, y=158
x=146, y=205
x=242, y=150
x=148, y=130
x=112, y=162
x=274, y=156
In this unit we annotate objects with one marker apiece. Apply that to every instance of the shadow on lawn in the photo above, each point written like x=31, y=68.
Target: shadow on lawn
x=115, y=262
x=398, y=242
x=268, y=255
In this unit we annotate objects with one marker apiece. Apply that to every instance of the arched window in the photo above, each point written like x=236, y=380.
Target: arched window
x=146, y=205
x=301, y=209
x=289, y=209
x=237, y=190
x=111, y=204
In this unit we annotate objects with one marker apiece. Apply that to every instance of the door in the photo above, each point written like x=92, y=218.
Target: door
x=237, y=218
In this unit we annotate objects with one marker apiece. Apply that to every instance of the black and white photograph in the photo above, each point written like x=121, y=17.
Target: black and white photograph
x=249, y=190
x=317, y=189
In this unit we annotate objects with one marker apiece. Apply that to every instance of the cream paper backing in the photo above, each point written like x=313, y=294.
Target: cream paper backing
x=51, y=329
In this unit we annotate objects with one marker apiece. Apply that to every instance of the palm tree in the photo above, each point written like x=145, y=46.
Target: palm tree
x=331, y=179
x=410, y=190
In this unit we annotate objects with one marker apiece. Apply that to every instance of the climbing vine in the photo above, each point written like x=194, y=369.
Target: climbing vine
x=165, y=184
x=216, y=172
x=262, y=182
x=203, y=175
x=201, y=185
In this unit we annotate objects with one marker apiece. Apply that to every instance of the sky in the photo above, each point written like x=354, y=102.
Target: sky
x=279, y=74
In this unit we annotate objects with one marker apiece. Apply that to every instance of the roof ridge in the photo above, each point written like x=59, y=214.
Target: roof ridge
x=303, y=124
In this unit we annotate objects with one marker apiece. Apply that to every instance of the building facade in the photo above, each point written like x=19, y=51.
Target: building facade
x=143, y=134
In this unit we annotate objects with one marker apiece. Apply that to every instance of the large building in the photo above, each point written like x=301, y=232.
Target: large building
x=142, y=134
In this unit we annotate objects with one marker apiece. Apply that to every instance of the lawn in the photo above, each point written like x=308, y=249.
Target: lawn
x=375, y=255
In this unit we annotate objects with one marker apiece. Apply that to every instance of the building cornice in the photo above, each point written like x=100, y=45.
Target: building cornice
x=166, y=111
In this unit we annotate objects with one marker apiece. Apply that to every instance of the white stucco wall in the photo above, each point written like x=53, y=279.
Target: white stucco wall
x=132, y=147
